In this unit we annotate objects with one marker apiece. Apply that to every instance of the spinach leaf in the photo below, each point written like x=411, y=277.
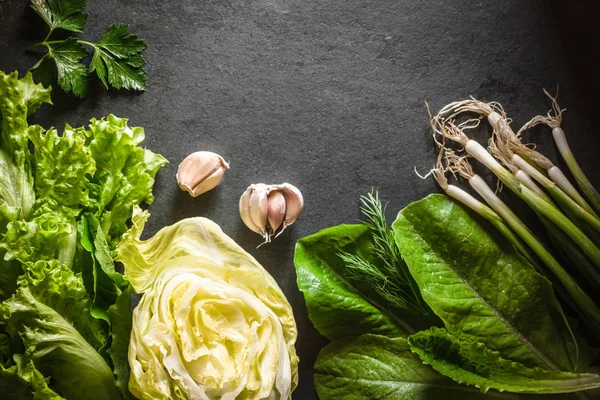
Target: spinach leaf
x=482, y=289
x=474, y=363
x=374, y=367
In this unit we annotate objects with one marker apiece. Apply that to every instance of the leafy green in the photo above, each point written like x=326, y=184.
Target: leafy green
x=103, y=291
x=23, y=381
x=474, y=363
x=63, y=167
x=47, y=236
x=335, y=306
x=374, y=367
x=504, y=328
x=19, y=98
x=482, y=289
x=66, y=199
x=124, y=172
x=226, y=326
x=65, y=61
x=63, y=14
x=116, y=58
x=50, y=313
x=120, y=316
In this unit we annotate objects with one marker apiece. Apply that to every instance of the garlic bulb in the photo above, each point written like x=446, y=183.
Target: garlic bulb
x=200, y=172
x=266, y=208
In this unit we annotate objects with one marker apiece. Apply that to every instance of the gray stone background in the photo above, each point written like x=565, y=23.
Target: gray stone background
x=328, y=95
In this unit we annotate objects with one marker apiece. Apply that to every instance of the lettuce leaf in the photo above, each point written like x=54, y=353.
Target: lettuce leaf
x=50, y=313
x=47, y=236
x=474, y=363
x=124, y=172
x=120, y=316
x=63, y=167
x=19, y=98
x=23, y=381
x=100, y=286
x=482, y=289
x=65, y=200
x=371, y=367
x=211, y=323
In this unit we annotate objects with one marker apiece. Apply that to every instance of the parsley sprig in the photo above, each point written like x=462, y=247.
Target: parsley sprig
x=116, y=57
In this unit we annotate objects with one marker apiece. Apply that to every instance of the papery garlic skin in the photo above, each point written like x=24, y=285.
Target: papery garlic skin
x=200, y=172
x=266, y=208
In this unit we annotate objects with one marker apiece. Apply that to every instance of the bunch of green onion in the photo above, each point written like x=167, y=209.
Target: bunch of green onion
x=570, y=220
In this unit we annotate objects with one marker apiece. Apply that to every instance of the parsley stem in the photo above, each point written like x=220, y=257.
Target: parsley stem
x=44, y=43
x=48, y=35
x=86, y=43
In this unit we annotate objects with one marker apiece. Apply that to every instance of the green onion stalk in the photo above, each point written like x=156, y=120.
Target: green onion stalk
x=554, y=122
x=497, y=119
x=569, y=251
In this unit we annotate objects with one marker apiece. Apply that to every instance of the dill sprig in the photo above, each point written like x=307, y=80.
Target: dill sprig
x=388, y=273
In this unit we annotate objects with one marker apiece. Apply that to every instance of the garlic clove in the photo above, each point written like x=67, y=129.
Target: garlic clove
x=294, y=204
x=200, y=172
x=277, y=209
x=267, y=208
x=209, y=183
x=259, y=207
x=245, y=211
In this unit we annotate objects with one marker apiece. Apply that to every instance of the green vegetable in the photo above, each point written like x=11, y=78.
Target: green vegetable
x=335, y=306
x=339, y=302
x=388, y=272
x=484, y=292
x=50, y=313
x=24, y=381
x=120, y=314
x=19, y=99
x=551, y=216
x=211, y=323
x=67, y=15
x=565, y=151
x=503, y=302
x=116, y=57
x=474, y=363
x=377, y=367
x=65, y=316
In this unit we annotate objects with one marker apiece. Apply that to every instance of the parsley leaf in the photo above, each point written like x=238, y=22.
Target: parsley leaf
x=64, y=14
x=64, y=62
x=117, y=59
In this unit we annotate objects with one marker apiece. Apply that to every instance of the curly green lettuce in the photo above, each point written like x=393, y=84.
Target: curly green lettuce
x=65, y=199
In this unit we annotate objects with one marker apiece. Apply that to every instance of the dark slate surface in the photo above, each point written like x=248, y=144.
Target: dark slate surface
x=327, y=95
